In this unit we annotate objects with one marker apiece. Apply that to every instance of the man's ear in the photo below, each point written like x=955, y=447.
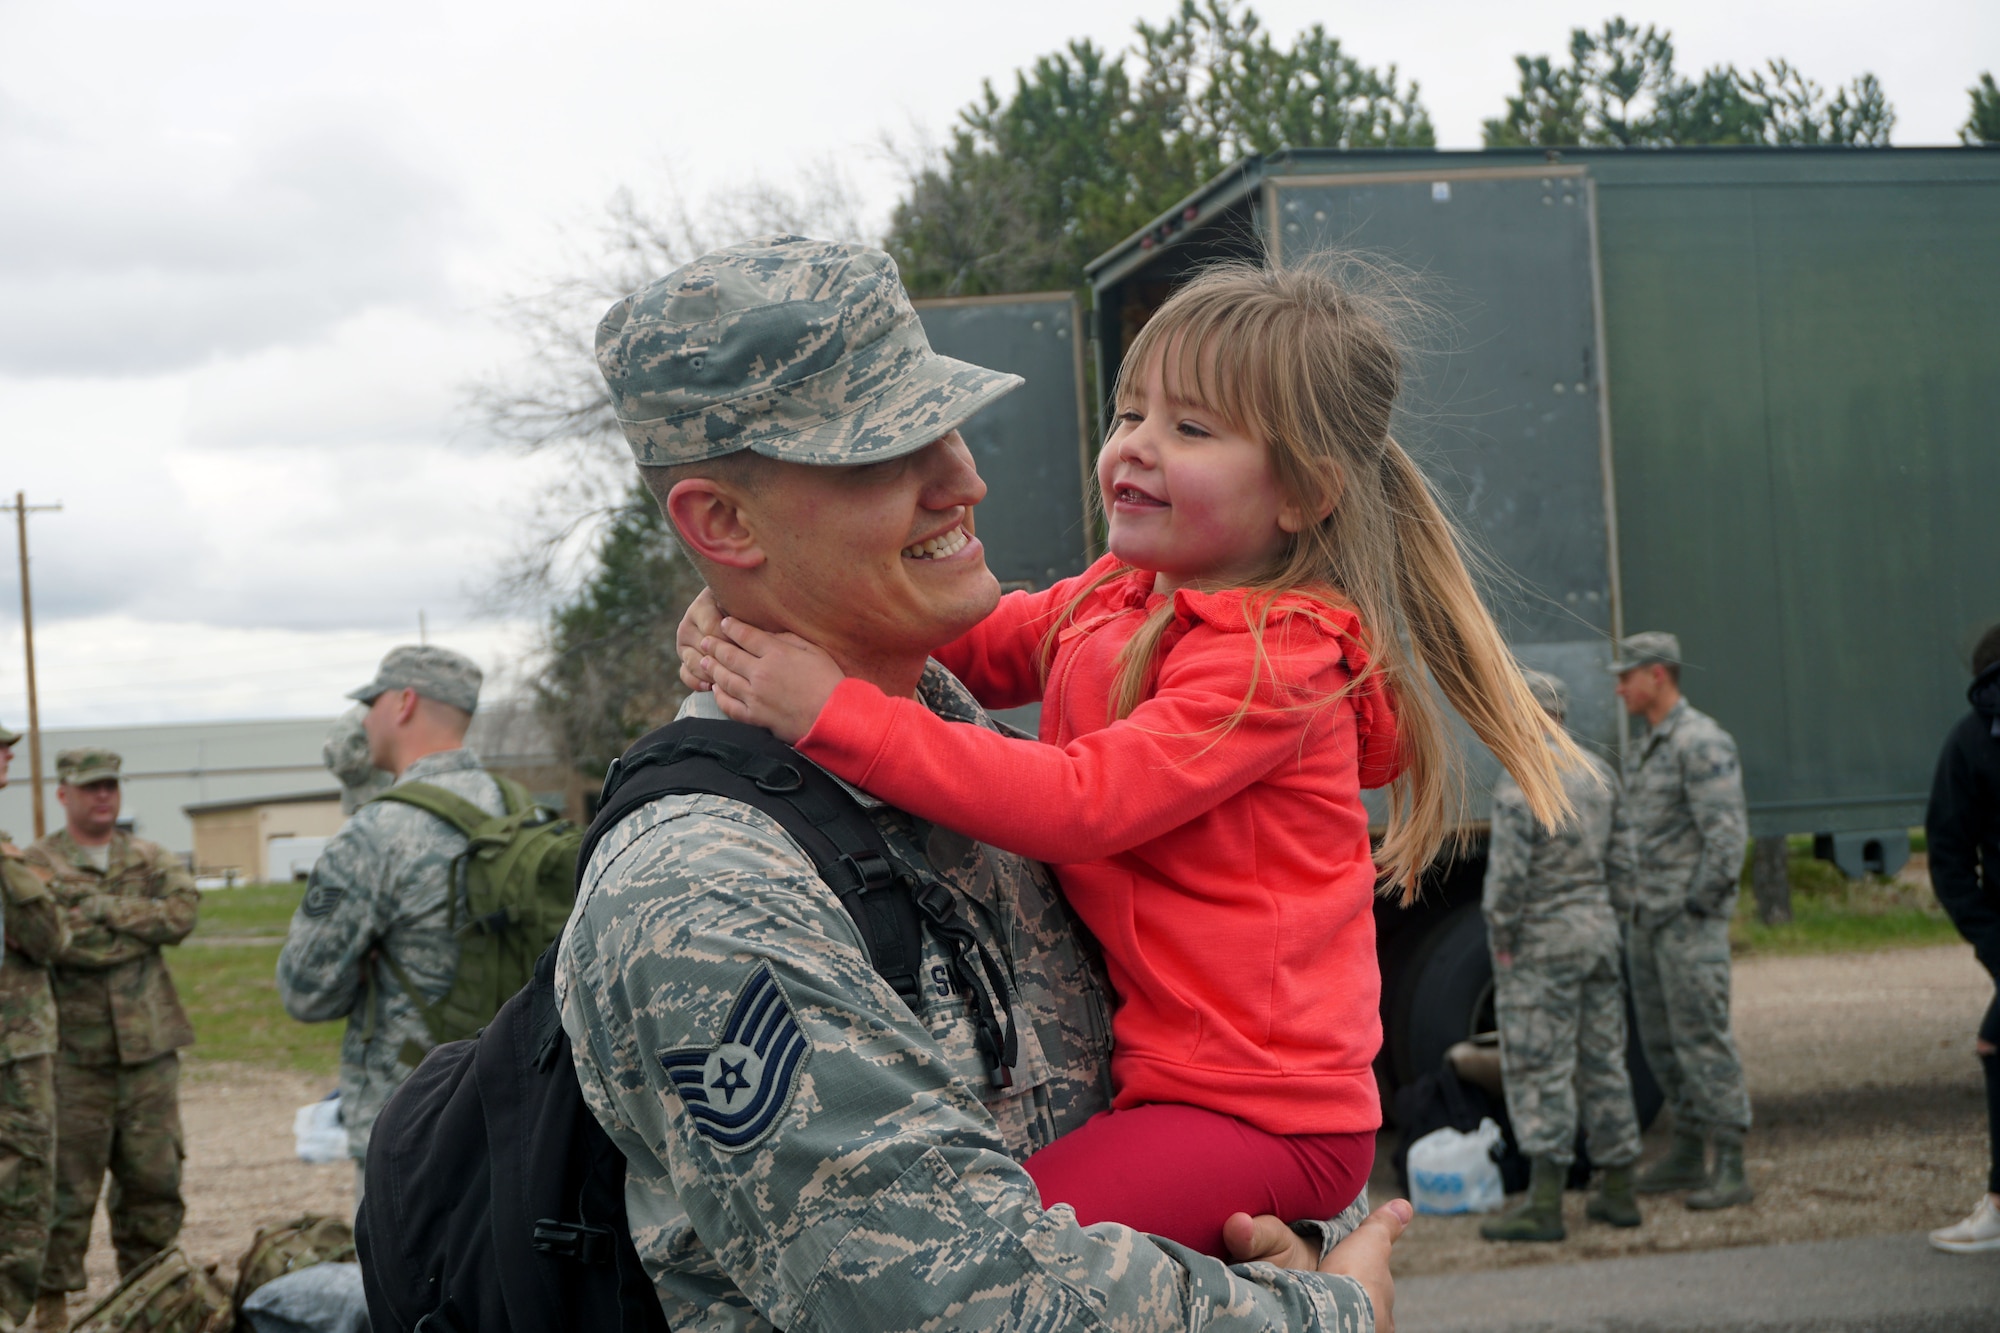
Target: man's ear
x=406, y=706
x=709, y=518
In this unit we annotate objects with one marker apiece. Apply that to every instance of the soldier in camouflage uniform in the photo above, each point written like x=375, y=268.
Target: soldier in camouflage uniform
x=122, y=1027
x=379, y=892
x=36, y=933
x=345, y=753
x=804, y=1151
x=1677, y=860
x=1559, y=994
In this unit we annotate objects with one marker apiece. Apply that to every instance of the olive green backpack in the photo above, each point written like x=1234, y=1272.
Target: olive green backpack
x=288, y=1247
x=166, y=1294
x=511, y=892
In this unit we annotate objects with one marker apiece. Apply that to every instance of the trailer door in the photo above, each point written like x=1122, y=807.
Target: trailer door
x=1504, y=404
x=1032, y=446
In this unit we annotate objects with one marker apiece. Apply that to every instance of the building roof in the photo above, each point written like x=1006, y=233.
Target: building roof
x=252, y=802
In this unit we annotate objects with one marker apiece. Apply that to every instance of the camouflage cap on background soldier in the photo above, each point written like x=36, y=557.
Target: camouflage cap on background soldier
x=435, y=673
x=808, y=351
x=80, y=768
x=8, y=736
x=1647, y=648
x=1549, y=691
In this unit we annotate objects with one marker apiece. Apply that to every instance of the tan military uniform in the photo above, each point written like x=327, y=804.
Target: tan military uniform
x=35, y=935
x=118, y=1075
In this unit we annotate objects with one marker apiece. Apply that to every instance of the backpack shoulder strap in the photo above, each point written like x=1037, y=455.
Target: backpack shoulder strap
x=749, y=765
x=449, y=806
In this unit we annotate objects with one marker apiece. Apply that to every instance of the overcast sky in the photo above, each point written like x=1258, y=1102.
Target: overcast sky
x=250, y=256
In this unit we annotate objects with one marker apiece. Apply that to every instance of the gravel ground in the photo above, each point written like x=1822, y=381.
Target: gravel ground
x=1867, y=1095
x=1870, y=1117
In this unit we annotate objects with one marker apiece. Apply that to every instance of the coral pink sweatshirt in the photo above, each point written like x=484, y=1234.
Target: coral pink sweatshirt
x=1228, y=876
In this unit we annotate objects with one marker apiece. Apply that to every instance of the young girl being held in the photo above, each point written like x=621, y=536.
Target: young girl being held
x=1260, y=644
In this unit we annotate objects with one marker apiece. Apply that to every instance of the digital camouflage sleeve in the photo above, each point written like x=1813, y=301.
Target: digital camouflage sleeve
x=806, y=1153
x=380, y=890
x=1682, y=826
x=1545, y=888
x=115, y=995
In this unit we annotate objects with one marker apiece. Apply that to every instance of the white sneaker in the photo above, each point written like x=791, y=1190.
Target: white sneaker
x=1981, y=1231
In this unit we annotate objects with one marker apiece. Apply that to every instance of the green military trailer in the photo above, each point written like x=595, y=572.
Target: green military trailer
x=1751, y=396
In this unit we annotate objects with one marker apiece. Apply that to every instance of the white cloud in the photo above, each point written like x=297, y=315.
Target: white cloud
x=118, y=669
x=144, y=251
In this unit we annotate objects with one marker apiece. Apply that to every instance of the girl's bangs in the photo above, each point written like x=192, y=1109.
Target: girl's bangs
x=1209, y=357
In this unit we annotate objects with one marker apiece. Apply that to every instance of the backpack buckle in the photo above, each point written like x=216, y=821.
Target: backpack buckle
x=578, y=1241
x=870, y=871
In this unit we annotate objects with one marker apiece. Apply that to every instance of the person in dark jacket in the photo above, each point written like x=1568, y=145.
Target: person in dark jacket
x=1963, y=828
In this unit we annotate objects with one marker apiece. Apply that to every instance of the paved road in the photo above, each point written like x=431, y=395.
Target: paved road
x=1889, y=1284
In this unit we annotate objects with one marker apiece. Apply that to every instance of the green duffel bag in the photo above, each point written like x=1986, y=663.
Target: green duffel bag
x=166, y=1294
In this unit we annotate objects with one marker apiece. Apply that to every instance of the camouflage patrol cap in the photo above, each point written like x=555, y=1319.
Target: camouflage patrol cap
x=80, y=768
x=435, y=673
x=1549, y=691
x=1647, y=648
x=802, y=350
x=8, y=736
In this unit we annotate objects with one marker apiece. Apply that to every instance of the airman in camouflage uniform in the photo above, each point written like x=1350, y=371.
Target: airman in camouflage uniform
x=378, y=894
x=122, y=1026
x=804, y=1151
x=1677, y=860
x=36, y=933
x=1559, y=994
x=345, y=753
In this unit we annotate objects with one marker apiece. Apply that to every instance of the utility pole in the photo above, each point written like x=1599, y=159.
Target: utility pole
x=21, y=511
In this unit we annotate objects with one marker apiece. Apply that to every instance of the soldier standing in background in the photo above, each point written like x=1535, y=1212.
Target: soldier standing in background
x=35, y=934
x=1559, y=995
x=122, y=1027
x=345, y=754
x=378, y=895
x=1676, y=866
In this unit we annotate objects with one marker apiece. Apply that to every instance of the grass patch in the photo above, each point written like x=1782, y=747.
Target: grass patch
x=230, y=990
x=1832, y=914
x=253, y=910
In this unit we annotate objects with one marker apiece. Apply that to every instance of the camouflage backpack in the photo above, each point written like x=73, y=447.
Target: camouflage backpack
x=166, y=1294
x=299, y=1243
x=511, y=892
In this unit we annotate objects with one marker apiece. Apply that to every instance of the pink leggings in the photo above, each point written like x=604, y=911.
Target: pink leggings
x=1179, y=1171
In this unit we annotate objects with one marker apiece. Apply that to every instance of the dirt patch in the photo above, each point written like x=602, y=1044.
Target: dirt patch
x=1870, y=1117
x=1868, y=1102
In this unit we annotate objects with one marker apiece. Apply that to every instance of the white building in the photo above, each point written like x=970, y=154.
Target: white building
x=169, y=768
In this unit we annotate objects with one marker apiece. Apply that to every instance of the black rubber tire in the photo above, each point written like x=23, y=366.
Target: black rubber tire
x=1443, y=993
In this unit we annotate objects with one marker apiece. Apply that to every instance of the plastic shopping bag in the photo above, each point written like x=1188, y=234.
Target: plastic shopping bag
x=1454, y=1172
x=320, y=1135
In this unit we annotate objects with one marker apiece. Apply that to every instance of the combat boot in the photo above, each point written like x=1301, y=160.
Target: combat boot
x=1612, y=1200
x=1728, y=1186
x=52, y=1312
x=1540, y=1215
x=1685, y=1167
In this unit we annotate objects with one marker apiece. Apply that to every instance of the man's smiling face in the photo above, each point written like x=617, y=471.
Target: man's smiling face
x=877, y=561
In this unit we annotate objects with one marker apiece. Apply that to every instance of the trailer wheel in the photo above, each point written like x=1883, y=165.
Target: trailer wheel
x=1444, y=994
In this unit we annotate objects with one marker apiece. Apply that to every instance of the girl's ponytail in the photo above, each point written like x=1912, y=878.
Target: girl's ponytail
x=1451, y=639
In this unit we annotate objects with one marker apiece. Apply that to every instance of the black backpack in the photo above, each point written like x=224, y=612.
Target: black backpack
x=494, y=1201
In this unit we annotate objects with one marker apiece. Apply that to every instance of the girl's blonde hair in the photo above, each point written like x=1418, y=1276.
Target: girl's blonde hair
x=1312, y=367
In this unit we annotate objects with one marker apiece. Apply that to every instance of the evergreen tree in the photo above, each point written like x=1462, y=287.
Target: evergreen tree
x=1620, y=89
x=1983, y=125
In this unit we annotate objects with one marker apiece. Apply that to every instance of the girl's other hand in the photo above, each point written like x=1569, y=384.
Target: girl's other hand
x=775, y=681
x=702, y=619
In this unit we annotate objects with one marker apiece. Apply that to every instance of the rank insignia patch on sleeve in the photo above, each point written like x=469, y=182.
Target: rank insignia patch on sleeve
x=736, y=1089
